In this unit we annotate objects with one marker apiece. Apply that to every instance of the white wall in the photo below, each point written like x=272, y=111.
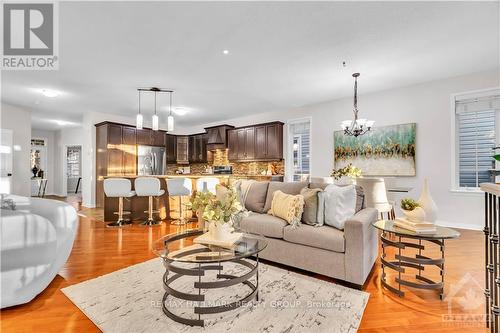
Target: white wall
x=19, y=121
x=49, y=171
x=428, y=105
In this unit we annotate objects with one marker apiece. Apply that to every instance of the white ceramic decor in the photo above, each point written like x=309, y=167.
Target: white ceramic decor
x=35, y=241
x=426, y=202
x=417, y=215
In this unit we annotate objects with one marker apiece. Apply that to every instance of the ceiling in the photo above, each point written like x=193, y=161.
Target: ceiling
x=281, y=55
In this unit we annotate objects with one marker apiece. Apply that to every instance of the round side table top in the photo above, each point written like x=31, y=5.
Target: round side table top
x=441, y=232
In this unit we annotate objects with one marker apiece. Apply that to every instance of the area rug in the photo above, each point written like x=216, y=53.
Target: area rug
x=129, y=300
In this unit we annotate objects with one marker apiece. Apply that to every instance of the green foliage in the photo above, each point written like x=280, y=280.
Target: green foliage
x=409, y=204
x=349, y=171
x=225, y=209
x=200, y=200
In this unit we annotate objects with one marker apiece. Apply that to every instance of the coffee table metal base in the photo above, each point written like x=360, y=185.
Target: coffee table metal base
x=418, y=262
x=226, y=280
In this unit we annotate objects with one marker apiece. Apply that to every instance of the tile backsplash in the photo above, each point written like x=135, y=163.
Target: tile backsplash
x=219, y=157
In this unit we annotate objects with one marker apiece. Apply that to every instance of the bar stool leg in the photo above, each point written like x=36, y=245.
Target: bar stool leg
x=151, y=221
x=181, y=220
x=121, y=222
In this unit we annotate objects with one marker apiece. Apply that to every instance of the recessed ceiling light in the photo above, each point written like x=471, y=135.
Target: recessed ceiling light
x=180, y=111
x=225, y=52
x=50, y=93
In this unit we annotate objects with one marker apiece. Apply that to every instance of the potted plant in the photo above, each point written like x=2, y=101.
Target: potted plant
x=345, y=175
x=198, y=202
x=412, y=210
x=223, y=213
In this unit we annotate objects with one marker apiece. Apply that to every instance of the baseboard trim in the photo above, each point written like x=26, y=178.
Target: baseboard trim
x=459, y=225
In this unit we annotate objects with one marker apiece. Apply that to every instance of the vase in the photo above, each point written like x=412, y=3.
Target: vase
x=427, y=203
x=344, y=181
x=220, y=231
x=416, y=215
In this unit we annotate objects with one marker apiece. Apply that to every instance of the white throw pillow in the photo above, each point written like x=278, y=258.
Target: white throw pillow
x=340, y=204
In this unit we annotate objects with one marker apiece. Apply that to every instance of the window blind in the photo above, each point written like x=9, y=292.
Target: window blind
x=476, y=139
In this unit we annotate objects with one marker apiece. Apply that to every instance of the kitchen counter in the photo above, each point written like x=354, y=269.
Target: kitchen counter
x=137, y=205
x=193, y=175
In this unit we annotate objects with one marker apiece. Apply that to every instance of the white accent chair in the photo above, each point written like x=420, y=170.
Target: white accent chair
x=207, y=184
x=119, y=188
x=36, y=239
x=149, y=187
x=179, y=187
x=376, y=196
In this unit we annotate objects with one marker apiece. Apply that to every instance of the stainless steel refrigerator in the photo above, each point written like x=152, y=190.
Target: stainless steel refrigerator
x=151, y=160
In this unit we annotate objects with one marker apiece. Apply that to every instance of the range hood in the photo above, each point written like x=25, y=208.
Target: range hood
x=217, y=136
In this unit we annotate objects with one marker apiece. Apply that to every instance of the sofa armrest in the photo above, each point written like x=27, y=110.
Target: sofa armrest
x=361, y=245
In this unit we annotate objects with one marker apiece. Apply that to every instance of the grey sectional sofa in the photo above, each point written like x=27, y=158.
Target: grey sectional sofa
x=347, y=255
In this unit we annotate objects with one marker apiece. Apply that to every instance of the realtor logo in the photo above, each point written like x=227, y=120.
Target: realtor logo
x=29, y=36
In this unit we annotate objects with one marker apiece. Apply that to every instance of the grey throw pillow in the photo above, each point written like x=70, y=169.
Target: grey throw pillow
x=311, y=203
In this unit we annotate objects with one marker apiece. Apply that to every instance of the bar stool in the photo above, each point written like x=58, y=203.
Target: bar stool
x=179, y=187
x=119, y=188
x=149, y=187
x=206, y=184
x=376, y=196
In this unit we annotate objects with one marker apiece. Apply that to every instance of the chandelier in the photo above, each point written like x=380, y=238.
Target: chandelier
x=356, y=127
x=155, y=119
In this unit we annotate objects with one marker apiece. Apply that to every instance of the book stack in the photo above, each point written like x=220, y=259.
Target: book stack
x=417, y=227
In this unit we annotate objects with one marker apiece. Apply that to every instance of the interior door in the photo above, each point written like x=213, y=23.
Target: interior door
x=5, y=161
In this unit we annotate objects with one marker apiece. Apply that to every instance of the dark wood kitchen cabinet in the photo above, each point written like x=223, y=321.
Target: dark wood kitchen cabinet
x=143, y=137
x=232, y=145
x=171, y=148
x=158, y=138
x=128, y=136
x=198, y=148
x=262, y=142
x=269, y=141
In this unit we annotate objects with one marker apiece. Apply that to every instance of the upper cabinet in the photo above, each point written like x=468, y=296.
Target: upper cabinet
x=182, y=156
x=150, y=138
x=262, y=142
x=198, y=148
x=171, y=148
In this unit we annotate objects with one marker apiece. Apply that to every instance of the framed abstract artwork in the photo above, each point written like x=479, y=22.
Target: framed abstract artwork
x=384, y=151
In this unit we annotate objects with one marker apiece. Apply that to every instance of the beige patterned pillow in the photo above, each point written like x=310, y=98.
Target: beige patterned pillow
x=288, y=207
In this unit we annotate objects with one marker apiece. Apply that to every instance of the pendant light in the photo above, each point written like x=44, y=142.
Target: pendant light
x=170, y=119
x=138, y=118
x=356, y=127
x=155, y=120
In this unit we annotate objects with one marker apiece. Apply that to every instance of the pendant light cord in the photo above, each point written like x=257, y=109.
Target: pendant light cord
x=355, y=97
x=139, y=101
x=155, y=102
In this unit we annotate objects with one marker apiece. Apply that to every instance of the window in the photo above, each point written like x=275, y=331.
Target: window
x=299, y=150
x=476, y=127
x=73, y=162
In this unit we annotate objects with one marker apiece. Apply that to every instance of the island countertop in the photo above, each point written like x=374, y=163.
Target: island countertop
x=197, y=175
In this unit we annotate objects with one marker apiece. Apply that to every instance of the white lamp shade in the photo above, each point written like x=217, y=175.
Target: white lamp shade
x=138, y=121
x=155, y=122
x=170, y=123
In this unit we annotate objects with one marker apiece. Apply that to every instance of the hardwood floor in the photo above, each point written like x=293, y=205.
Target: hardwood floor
x=99, y=250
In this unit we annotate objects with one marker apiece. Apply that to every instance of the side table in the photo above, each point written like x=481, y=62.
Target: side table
x=402, y=261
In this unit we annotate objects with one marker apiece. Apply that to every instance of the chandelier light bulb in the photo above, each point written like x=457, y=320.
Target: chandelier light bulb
x=155, y=122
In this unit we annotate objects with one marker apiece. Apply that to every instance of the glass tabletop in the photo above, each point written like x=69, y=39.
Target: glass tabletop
x=441, y=232
x=182, y=247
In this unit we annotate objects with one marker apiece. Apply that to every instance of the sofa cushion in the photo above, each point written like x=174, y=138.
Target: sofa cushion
x=256, y=197
x=292, y=188
x=264, y=224
x=288, y=207
x=360, y=194
x=310, y=215
x=325, y=237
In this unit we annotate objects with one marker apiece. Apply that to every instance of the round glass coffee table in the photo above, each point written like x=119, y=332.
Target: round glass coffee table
x=186, y=260
x=400, y=241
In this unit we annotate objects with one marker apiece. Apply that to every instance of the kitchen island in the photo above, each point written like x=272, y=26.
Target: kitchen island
x=138, y=205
